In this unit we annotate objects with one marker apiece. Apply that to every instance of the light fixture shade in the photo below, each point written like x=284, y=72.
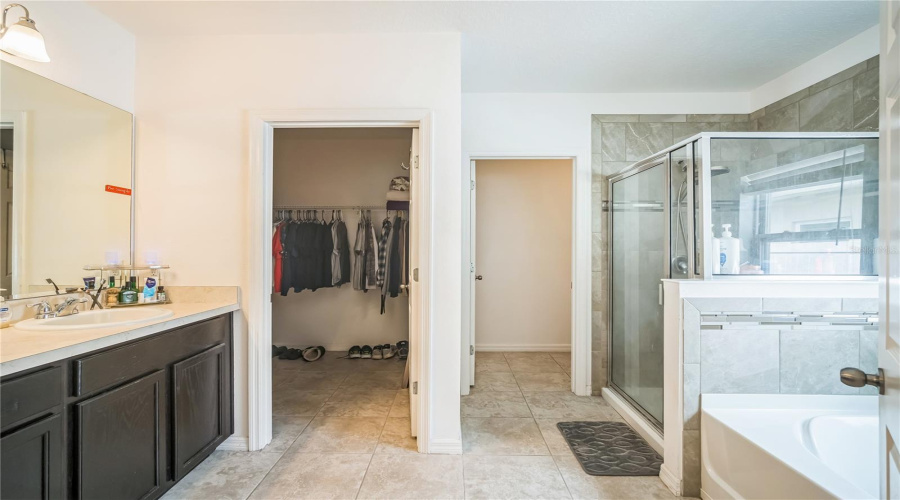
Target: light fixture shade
x=23, y=40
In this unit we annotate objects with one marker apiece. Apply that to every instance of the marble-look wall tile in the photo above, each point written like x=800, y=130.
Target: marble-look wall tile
x=596, y=135
x=616, y=118
x=691, y=396
x=756, y=115
x=663, y=118
x=727, y=304
x=830, y=110
x=716, y=118
x=868, y=357
x=872, y=62
x=597, y=213
x=818, y=305
x=613, y=146
x=739, y=361
x=610, y=168
x=786, y=119
x=791, y=99
x=596, y=252
x=865, y=101
x=838, y=77
x=812, y=359
x=747, y=126
x=691, y=333
x=681, y=131
x=690, y=463
x=859, y=305
x=645, y=139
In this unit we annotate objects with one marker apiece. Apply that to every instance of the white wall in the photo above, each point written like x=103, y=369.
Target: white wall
x=89, y=52
x=345, y=166
x=524, y=252
x=192, y=101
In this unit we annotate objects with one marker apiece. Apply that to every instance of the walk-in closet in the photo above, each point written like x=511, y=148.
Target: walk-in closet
x=340, y=303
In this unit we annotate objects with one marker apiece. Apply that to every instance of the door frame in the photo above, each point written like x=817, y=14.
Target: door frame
x=259, y=270
x=581, y=267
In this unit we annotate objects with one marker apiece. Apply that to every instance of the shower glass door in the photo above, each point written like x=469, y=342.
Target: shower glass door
x=638, y=261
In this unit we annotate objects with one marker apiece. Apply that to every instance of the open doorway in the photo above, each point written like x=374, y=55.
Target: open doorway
x=522, y=232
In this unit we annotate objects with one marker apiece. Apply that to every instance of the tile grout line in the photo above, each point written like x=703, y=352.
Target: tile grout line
x=366, y=473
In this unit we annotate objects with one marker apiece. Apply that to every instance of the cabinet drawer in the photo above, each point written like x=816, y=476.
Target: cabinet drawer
x=115, y=366
x=29, y=396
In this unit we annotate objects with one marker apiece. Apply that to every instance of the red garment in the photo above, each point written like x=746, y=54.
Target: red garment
x=277, y=249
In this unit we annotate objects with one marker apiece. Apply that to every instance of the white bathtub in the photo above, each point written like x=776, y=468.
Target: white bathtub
x=788, y=446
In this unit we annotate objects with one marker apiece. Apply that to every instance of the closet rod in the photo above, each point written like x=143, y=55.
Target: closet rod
x=329, y=207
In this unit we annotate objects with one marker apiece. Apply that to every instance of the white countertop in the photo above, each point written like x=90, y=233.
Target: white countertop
x=21, y=350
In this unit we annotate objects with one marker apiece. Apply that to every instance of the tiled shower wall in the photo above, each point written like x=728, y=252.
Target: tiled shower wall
x=847, y=101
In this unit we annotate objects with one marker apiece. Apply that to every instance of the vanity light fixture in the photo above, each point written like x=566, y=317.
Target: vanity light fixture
x=22, y=39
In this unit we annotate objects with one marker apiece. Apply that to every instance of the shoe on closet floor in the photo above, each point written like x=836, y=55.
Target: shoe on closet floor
x=403, y=348
x=312, y=353
x=354, y=352
x=291, y=354
x=377, y=352
x=389, y=351
x=277, y=350
x=365, y=352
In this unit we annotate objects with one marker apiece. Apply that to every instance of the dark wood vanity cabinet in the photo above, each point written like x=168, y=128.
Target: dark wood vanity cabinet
x=126, y=422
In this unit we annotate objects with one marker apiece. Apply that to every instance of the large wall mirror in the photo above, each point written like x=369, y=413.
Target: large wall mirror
x=65, y=184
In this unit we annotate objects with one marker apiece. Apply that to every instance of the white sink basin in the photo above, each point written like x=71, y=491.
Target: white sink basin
x=97, y=319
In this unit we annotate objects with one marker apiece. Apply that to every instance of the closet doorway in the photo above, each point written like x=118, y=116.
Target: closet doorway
x=522, y=295
x=352, y=173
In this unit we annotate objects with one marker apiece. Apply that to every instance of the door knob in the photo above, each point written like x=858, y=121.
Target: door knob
x=479, y=277
x=854, y=377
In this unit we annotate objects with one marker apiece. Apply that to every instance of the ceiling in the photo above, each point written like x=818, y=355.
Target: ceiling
x=555, y=46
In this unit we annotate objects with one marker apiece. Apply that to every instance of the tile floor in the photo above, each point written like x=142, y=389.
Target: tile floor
x=341, y=430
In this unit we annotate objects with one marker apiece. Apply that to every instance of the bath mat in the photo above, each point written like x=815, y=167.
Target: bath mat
x=610, y=449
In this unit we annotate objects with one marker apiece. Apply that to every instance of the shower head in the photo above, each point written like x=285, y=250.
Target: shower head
x=718, y=170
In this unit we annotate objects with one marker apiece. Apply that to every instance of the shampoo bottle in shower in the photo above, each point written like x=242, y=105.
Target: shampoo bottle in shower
x=716, y=250
x=730, y=251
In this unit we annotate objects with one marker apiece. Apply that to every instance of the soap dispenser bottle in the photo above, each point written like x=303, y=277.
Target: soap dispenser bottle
x=716, y=250
x=730, y=248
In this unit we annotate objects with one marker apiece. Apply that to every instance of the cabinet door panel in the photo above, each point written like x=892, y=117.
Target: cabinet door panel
x=121, y=449
x=200, y=407
x=31, y=461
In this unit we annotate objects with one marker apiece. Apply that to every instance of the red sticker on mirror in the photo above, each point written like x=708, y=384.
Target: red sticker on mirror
x=118, y=190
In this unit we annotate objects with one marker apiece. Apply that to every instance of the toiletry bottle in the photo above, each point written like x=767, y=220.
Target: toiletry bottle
x=130, y=294
x=112, y=293
x=149, y=292
x=716, y=251
x=5, y=313
x=162, y=295
x=730, y=251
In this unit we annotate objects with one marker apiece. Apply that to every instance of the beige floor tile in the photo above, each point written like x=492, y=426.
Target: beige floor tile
x=495, y=382
x=582, y=485
x=224, y=475
x=494, y=404
x=528, y=356
x=298, y=403
x=534, y=365
x=490, y=365
x=544, y=381
x=280, y=376
x=490, y=356
x=396, y=437
x=339, y=435
x=312, y=381
x=400, y=408
x=567, y=405
x=284, y=432
x=562, y=357
x=552, y=436
x=413, y=476
x=394, y=364
x=502, y=436
x=373, y=380
x=513, y=478
x=314, y=476
x=359, y=403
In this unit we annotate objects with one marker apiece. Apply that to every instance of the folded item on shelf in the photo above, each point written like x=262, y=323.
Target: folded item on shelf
x=397, y=205
x=400, y=183
x=398, y=195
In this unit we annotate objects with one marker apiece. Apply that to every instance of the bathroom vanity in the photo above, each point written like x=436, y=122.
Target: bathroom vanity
x=124, y=421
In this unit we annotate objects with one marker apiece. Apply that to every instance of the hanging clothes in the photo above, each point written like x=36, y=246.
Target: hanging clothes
x=359, y=252
x=382, y=249
x=277, y=251
x=371, y=256
x=346, y=271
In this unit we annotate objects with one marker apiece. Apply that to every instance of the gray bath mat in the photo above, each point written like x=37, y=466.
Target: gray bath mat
x=610, y=449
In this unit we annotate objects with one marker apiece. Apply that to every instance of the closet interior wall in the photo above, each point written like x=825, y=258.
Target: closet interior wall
x=339, y=166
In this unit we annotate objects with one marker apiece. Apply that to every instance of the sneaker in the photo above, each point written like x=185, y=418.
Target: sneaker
x=403, y=348
x=377, y=352
x=354, y=352
x=311, y=354
x=389, y=351
x=365, y=352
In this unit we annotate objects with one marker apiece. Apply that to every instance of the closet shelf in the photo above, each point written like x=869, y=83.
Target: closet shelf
x=329, y=207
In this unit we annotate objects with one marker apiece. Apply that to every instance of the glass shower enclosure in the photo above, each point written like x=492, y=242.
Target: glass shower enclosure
x=726, y=205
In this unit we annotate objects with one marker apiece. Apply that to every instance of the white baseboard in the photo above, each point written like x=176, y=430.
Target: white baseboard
x=235, y=443
x=523, y=347
x=637, y=422
x=445, y=447
x=670, y=480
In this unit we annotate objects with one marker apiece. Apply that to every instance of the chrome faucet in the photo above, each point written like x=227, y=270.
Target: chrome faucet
x=46, y=311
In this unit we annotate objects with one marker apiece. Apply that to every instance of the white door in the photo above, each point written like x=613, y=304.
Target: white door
x=414, y=333
x=889, y=230
x=473, y=277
